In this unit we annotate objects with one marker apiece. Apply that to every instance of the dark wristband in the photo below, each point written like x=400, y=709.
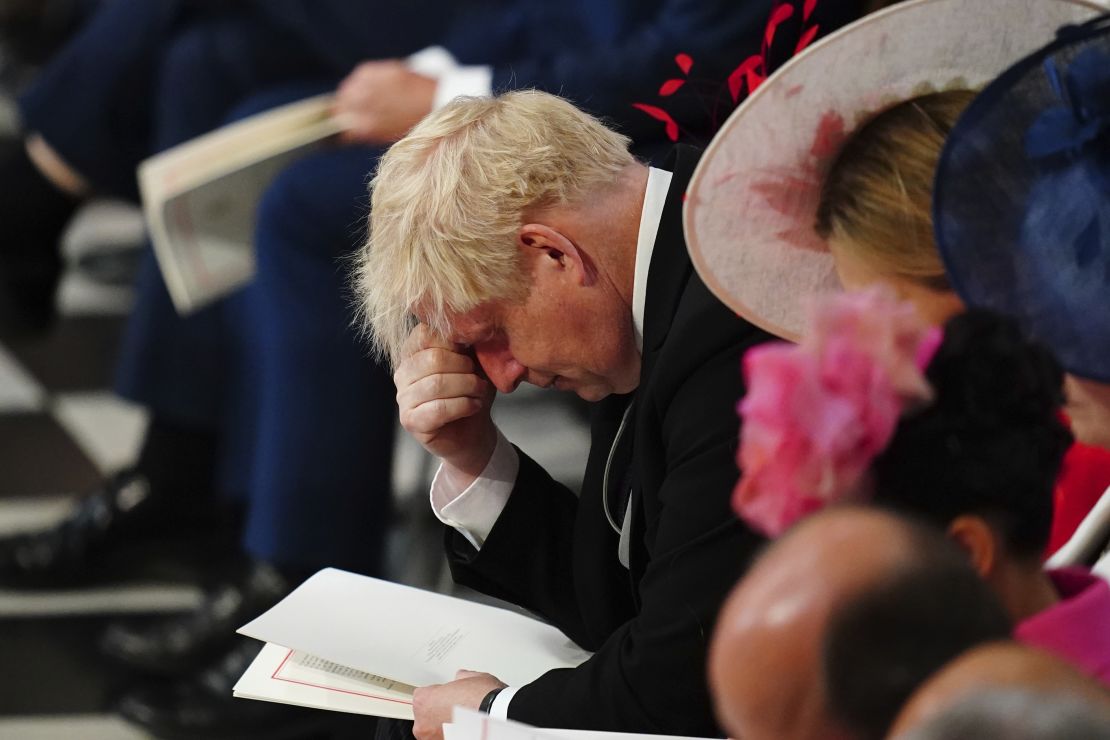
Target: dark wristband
x=487, y=701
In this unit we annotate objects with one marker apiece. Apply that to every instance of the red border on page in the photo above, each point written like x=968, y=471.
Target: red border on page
x=289, y=655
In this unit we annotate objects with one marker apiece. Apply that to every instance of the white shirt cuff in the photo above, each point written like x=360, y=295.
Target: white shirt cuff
x=475, y=81
x=474, y=510
x=500, y=706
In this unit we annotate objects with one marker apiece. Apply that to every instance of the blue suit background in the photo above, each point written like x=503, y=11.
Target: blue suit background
x=304, y=419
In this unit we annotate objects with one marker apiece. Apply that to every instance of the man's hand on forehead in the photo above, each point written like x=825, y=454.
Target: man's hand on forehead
x=426, y=354
x=467, y=329
x=444, y=398
x=422, y=337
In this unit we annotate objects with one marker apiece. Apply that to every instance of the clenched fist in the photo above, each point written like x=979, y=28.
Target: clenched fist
x=444, y=401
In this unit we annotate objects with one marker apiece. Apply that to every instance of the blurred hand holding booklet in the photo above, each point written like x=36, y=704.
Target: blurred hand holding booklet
x=357, y=644
x=200, y=198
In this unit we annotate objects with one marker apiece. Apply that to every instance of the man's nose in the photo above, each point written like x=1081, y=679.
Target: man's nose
x=500, y=366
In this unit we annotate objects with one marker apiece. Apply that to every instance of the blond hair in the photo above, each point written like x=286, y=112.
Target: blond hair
x=877, y=198
x=449, y=198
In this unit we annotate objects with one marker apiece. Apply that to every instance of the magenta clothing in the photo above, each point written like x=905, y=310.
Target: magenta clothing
x=1078, y=628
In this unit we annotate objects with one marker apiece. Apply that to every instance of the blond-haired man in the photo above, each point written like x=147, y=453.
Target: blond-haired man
x=524, y=243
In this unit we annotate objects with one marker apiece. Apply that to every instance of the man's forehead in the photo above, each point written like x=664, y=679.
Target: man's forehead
x=463, y=327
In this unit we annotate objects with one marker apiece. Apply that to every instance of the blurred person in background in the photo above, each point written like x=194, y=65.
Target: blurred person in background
x=312, y=464
x=957, y=427
x=843, y=198
x=1016, y=714
x=1006, y=689
x=838, y=621
x=1036, y=245
x=980, y=445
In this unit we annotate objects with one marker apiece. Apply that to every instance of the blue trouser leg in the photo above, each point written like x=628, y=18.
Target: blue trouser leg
x=170, y=364
x=314, y=462
x=142, y=75
x=189, y=370
x=91, y=103
x=320, y=489
x=216, y=69
x=346, y=32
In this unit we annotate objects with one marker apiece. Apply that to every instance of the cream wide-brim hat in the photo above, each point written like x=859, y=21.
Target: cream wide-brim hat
x=751, y=206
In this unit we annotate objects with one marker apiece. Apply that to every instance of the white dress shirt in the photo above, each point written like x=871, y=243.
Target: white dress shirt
x=474, y=510
x=452, y=79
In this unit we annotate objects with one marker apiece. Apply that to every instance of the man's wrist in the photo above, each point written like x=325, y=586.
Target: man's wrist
x=463, y=471
x=500, y=706
x=474, y=509
x=460, y=479
x=488, y=699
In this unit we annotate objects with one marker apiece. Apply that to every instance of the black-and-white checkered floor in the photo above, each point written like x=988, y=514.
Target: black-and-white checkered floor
x=62, y=430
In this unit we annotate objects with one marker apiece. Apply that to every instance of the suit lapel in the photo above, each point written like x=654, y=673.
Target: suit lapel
x=667, y=278
x=670, y=263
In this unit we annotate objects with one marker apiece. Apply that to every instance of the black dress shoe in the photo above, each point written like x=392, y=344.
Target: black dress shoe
x=203, y=707
x=182, y=644
x=62, y=555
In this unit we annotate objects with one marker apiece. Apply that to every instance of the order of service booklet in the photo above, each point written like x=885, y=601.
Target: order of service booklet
x=200, y=198
x=357, y=644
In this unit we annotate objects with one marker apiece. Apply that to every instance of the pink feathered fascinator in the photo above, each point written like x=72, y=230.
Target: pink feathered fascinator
x=817, y=413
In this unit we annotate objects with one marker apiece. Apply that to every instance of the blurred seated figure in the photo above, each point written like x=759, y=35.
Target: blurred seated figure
x=839, y=621
x=95, y=110
x=843, y=198
x=1006, y=690
x=140, y=77
x=958, y=427
x=980, y=446
x=1029, y=156
x=875, y=214
x=980, y=461
x=1015, y=714
x=236, y=429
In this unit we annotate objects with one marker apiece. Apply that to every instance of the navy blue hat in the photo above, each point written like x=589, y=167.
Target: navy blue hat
x=1022, y=200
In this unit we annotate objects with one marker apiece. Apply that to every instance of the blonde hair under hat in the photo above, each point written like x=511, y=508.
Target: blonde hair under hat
x=751, y=207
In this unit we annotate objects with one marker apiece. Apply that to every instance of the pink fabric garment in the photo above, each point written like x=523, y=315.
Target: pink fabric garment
x=1078, y=628
x=818, y=412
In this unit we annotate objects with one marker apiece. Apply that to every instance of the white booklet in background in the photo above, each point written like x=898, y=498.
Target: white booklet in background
x=200, y=198
x=359, y=644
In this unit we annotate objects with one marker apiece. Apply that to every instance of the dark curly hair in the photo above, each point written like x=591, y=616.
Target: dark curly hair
x=992, y=442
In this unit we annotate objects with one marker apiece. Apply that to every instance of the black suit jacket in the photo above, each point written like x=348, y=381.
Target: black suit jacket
x=556, y=554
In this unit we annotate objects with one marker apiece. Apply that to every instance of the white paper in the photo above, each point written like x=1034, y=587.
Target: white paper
x=200, y=198
x=282, y=675
x=466, y=724
x=409, y=635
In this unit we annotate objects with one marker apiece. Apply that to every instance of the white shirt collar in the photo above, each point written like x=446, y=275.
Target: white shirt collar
x=655, y=198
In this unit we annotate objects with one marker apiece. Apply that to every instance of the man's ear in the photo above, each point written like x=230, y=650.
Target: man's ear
x=977, y=539
x=554, y=250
